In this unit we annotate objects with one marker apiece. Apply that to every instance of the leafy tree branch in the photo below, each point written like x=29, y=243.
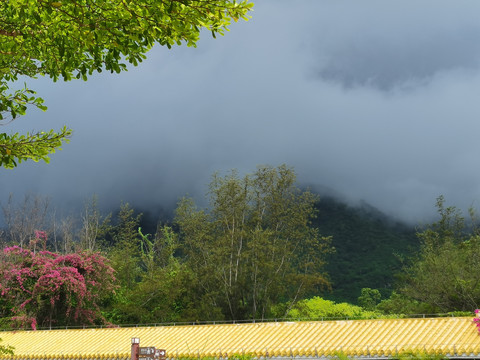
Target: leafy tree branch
x=17, y=148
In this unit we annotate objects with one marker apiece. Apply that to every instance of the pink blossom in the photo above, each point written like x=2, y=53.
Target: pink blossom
x=40, y=234
x=73, y=284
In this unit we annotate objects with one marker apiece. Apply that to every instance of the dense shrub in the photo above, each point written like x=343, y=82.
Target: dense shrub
x=319, y=308
x=44, y=288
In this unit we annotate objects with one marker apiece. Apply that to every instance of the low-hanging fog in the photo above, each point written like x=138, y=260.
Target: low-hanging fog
x=375, y=100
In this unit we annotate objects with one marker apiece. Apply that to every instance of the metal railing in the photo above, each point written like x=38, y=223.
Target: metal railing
x=248, y=321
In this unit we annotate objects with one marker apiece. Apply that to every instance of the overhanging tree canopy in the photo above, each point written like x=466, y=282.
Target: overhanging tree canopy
x=69, y=39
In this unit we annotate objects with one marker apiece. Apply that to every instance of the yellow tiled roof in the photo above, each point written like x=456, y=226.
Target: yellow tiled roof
x=363, y=338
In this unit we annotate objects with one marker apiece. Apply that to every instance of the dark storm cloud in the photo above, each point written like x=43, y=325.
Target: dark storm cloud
x=376, y=100
x=394, y=44
x=386, y=66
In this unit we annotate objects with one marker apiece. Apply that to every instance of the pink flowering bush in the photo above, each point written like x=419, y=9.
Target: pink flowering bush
x=48, y=289
x=40, y=239
x=476, y=319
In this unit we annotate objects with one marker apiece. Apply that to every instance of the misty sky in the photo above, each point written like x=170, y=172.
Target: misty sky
x=375, y=100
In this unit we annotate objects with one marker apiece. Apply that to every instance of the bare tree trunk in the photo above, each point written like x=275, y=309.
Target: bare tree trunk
x=23, y=219
x=90, y=225
x=67, y=230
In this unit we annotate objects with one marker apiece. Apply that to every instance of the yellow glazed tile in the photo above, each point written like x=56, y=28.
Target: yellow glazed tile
x=363, y=338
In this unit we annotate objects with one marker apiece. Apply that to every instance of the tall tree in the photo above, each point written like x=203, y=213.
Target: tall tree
x=162, y=291
x=255, y=244
x=125, y=252
x=446, y=272
x=69, y=39
x=94, y=225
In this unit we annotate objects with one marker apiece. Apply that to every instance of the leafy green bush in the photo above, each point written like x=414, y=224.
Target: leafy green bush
x=369, y=298
x=401, y=304
x=319, y=308
x=410, y=355
x=6, y=349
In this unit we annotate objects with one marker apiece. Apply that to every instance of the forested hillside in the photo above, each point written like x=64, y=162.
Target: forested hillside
x=368, y=244
x=262, y=248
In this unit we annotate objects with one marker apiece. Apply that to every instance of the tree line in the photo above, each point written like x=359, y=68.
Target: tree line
x=251, y=248
x=253, y=253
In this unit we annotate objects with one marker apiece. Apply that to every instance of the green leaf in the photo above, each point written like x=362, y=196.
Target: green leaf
x=72, y=39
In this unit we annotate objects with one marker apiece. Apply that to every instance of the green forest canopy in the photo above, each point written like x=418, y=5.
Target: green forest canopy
x=254, y=253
